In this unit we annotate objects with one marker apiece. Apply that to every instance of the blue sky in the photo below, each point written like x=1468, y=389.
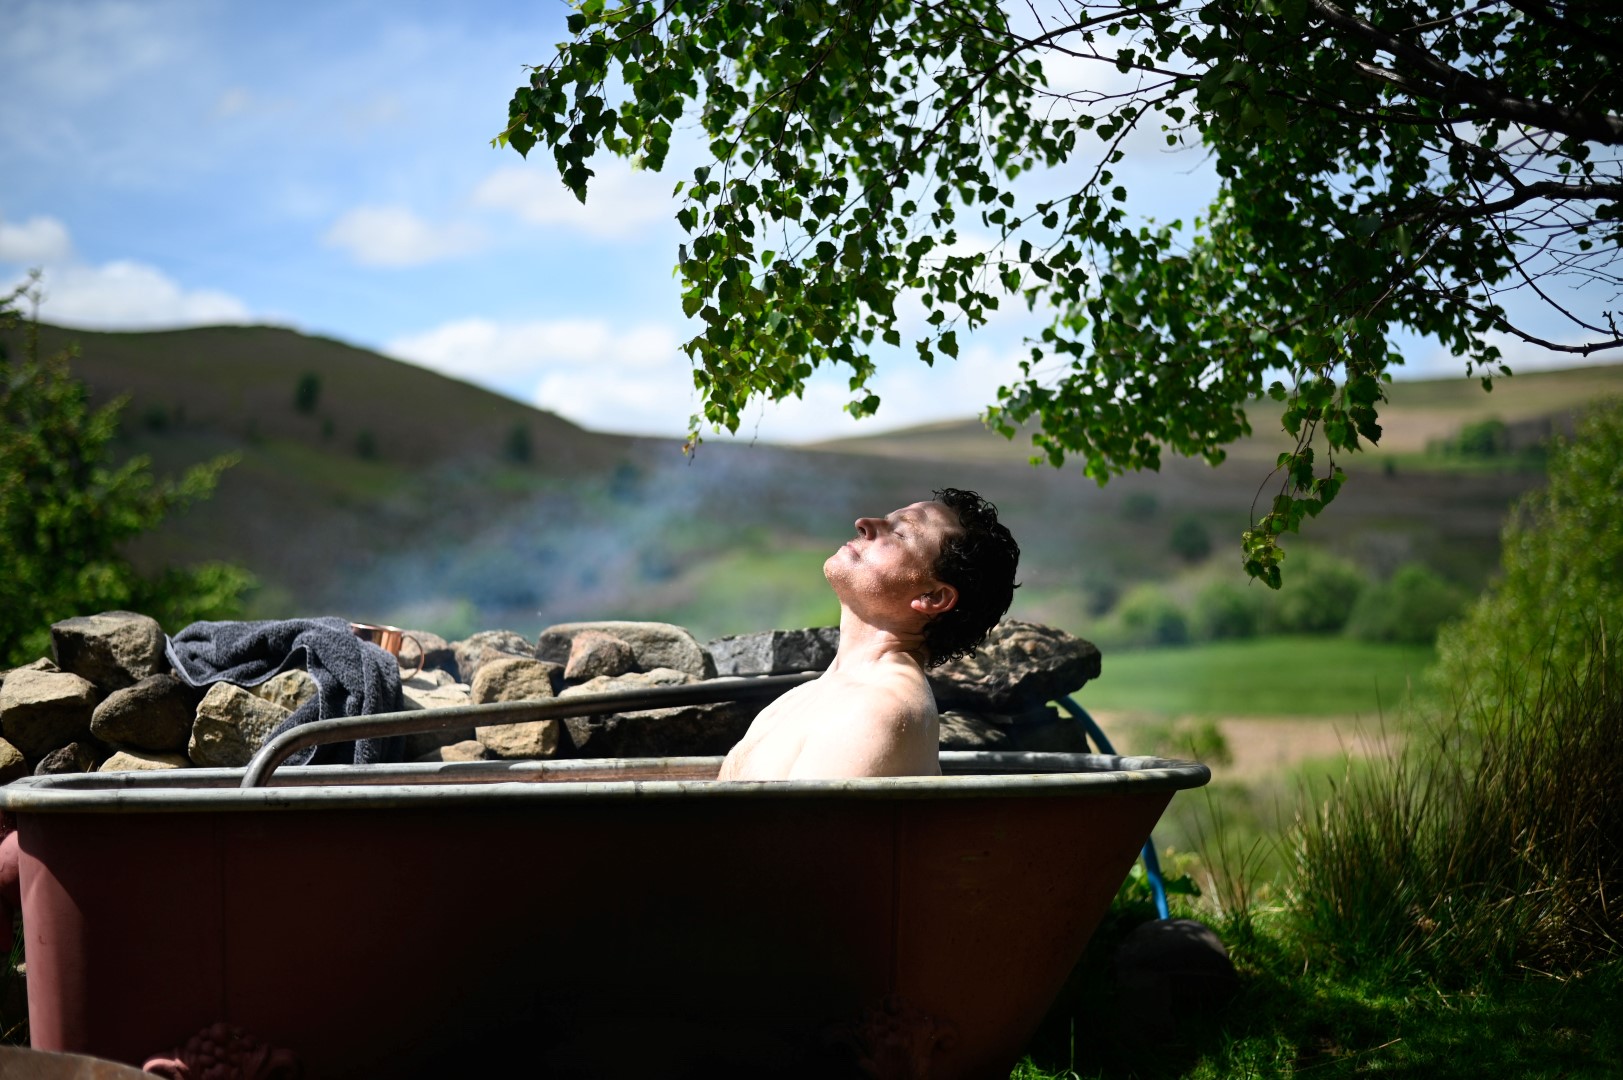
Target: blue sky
x=328, y=167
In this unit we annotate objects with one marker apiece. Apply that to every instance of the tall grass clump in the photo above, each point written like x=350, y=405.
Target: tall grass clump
x=1494, y=843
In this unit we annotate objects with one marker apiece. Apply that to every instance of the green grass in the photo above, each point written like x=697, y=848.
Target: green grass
x=1291, y=1019
x=1273, y=676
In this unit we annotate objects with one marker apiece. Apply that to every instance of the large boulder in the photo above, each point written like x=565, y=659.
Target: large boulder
x=231, y=725
x=1021, y=666
x=687, y=730
x=516, y=679
x=433, y=688
x=536, y=739
x=653, y=644
x=41, y=711
x=155, y=714
x=594, y=653
x=1168, y=971
x=479, y=649
x=114, y=649
x=776, y=652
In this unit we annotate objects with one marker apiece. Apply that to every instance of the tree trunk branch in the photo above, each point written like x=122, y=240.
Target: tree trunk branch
x=1445, y=83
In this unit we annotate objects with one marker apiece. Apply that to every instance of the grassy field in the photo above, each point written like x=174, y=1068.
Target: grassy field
x=1264, y=677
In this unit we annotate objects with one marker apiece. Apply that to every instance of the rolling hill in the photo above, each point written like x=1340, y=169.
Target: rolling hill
x=398, y=494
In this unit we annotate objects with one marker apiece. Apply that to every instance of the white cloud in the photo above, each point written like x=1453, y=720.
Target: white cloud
x=621, y=202
x=627, y=380
x=120, y=295
x=393, y=236
x=127, y=295
x=37, y=241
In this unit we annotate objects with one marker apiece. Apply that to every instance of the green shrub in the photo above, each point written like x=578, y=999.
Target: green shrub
x=1561, y=565
x=1408, y=609
x=1493, y=844
x=67, y=508
x=1317, y=597
x=1225, y=609
x=1148, y=616
x=1190, y=540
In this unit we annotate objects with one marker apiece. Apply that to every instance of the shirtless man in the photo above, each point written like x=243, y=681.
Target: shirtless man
x=918, y=587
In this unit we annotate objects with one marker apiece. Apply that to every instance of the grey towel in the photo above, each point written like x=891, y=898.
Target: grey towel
x=356, y=678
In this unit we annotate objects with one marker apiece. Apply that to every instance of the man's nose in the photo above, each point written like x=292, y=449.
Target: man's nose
x=867, y=527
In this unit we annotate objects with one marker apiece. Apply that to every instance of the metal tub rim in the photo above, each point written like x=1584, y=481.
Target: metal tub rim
x=967, y=774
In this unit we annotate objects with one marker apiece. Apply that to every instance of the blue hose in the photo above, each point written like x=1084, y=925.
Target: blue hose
x=1152, y=865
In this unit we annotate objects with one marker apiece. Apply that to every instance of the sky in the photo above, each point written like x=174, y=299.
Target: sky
x=328, y=167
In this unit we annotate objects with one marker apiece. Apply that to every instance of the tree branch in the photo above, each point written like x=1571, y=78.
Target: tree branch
x=1449, y=84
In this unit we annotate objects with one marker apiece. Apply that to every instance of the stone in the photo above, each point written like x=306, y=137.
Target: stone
x=289, y=689
x=654, y=644
x=479, y=649
x=1020, y=666
x=435, y=653
x=776, y=652
x=466, y=750
x=231, y=724
x=1054, y=735
x=41, y=711
x=114, y=649
x=155, y=714
x=434, y=689
x=76, y=757
x=535, y=739
x=13, y=765
x=593, y=653
x=684, y=731
x=138, y=761
x=513, y=679
x=1167, y=970
x=967, y=731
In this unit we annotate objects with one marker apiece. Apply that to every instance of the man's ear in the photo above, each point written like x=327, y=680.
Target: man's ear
x=938, y=601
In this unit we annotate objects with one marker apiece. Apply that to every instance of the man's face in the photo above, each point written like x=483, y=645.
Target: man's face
x=892, y=558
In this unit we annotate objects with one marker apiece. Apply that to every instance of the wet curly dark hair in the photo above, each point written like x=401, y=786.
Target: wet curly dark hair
x=979, y=561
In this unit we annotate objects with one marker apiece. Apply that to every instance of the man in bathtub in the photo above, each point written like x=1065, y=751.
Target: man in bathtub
x=918, y=587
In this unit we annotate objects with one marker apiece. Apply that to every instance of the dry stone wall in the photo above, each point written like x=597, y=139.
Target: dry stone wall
x=106, y=700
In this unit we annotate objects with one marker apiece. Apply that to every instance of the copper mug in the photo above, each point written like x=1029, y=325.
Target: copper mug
x=389, y=639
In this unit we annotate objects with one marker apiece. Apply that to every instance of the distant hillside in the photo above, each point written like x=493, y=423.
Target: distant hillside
x=400, y=495
x=1419, y=413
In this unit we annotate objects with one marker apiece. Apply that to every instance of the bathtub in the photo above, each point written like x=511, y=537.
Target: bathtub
x=575, y=918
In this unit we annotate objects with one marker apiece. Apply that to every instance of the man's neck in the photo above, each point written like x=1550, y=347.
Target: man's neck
x=863, y=644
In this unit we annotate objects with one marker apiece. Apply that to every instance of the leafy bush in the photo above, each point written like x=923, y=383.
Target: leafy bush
x=1561, y=565
x=1148, y=616
x=1224, y=609
x=1496, y=844
x=1493, y=846
x=1319, y=598
x=1190, y=540
x=66, y=509
x=1409, y=608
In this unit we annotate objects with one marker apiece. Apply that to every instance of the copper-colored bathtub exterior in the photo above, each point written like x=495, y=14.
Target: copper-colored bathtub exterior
x=574, y=918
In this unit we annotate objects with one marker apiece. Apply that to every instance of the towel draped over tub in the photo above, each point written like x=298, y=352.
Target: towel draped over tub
x=355, y=677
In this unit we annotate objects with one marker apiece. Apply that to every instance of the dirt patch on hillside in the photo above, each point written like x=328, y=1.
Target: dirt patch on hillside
x=1260, y=748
